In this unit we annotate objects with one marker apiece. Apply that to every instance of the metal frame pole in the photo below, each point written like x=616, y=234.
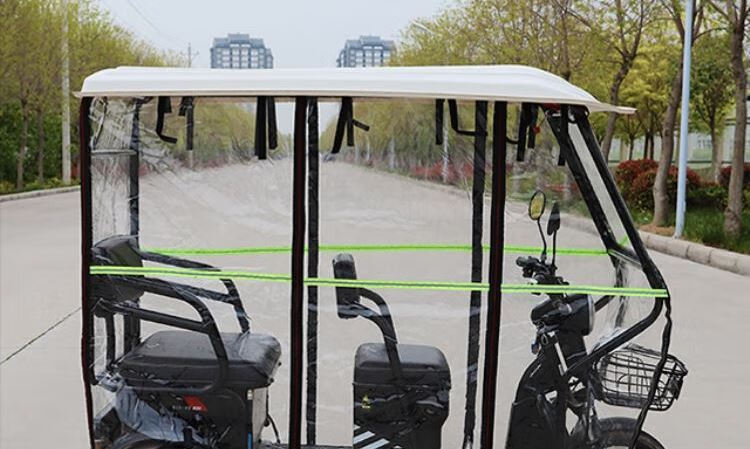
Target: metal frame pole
x=685, y=110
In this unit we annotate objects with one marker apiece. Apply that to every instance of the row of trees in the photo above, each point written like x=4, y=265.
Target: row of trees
x=31, y=75
x=623, y=51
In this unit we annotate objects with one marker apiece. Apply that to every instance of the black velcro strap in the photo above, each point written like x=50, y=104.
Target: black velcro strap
x=564, y=121
x=273, y=133
x=341, y=124
x=345, y=125
x=164, y=106
x=523, y=127
x=350, y=123
x=363, y=126
x=186, y=110
x=261, y=148
x=531, y=144
x=453, y=111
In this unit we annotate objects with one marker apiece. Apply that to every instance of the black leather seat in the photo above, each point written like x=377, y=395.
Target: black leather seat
x=421, y=365
x=187, y=358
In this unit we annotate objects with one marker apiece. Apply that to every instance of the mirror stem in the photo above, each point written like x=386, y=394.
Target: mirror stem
x=554, y=249
x=544, y=240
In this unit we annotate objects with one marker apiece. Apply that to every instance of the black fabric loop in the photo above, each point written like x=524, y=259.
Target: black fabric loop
x=453, y=112
x=163, y=107
x=273, y=129
x=439, y=120
x=345, y=125
x=261, y=148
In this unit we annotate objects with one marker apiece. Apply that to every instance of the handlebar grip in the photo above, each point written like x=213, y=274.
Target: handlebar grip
x=524, y=261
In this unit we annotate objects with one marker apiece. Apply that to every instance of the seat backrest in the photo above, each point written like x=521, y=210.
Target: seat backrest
x=343, y=268
x=118, y=250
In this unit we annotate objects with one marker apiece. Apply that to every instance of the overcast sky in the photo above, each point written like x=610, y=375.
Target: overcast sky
x=301, y=33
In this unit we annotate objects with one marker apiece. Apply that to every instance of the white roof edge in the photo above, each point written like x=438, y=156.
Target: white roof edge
x=512, y=83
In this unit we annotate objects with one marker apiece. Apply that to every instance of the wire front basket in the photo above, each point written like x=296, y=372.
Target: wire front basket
x=626, y=376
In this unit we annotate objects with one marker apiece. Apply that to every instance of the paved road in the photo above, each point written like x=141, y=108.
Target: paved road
x=41, y=391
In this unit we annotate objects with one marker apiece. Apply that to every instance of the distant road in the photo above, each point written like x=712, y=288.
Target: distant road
x=41, y=393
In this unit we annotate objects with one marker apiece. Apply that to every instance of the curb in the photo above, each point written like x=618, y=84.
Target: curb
x=706, y=255
x=37, y=193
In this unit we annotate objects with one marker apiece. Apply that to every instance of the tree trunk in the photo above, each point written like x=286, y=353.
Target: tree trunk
x=40, y=146
x=661, y=196
x=614, y=98
x=716, y=154
x=733, y=212
x=651, y=145
x=609, y=133
x=22, y=147
x=630, y=148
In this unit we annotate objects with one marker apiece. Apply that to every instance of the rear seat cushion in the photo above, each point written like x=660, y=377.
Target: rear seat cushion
x=184, y=357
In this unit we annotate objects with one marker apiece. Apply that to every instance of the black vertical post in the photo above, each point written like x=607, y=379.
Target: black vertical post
x=132, y=325
x=135, y=159
x=87, y=330
x=298, y=266
x=189, y=126
x=312, y=269
x=494, y=299
x=475, y=304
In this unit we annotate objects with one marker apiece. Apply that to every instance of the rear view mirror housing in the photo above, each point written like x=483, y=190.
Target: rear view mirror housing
x=553, y=224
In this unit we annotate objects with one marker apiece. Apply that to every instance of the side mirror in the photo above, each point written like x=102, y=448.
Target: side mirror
x=537, y=204
x=553, y=224
x=343, y=268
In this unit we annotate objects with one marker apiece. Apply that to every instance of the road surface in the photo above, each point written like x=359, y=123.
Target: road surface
x=41, y=393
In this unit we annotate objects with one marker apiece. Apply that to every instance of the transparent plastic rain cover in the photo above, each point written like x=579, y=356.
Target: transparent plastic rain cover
x=188, y=297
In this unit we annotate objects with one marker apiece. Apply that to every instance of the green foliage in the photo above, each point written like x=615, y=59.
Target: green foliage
x=648, y=84
x=711, y=82
x=31, y=71
x=706, y=225
x=708, y=195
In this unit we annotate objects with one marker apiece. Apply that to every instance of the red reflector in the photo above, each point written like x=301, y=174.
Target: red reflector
x=195, y=404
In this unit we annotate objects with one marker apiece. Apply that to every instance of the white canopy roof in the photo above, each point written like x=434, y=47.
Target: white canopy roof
x=512, y=83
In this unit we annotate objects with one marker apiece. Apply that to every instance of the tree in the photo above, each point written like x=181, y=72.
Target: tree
x=711, y=91
x=647, y=86
x=621, y=25
x=661, y=197
x=735, y=16
x=30, y=76
x=25, y=56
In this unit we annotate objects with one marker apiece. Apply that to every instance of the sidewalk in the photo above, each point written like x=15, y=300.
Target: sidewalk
x=37, y=193
x=706, y=255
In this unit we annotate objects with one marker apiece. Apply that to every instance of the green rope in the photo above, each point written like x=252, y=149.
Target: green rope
x=510, y=249
x=417, y=285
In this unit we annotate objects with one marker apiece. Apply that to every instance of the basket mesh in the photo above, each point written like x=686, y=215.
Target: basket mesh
x=626, y=376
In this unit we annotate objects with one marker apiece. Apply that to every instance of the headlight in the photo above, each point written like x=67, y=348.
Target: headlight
x=581, y=316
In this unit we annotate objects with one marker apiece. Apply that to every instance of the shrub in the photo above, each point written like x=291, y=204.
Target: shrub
x=710, y=195
x=627, y=171
x=726, y=172
x=7, y=187
x=640, y=193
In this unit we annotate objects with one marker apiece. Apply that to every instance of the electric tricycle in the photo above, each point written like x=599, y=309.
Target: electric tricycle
x=210, y=321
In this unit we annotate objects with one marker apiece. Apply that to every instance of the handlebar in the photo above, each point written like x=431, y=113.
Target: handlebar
x=538, y=270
